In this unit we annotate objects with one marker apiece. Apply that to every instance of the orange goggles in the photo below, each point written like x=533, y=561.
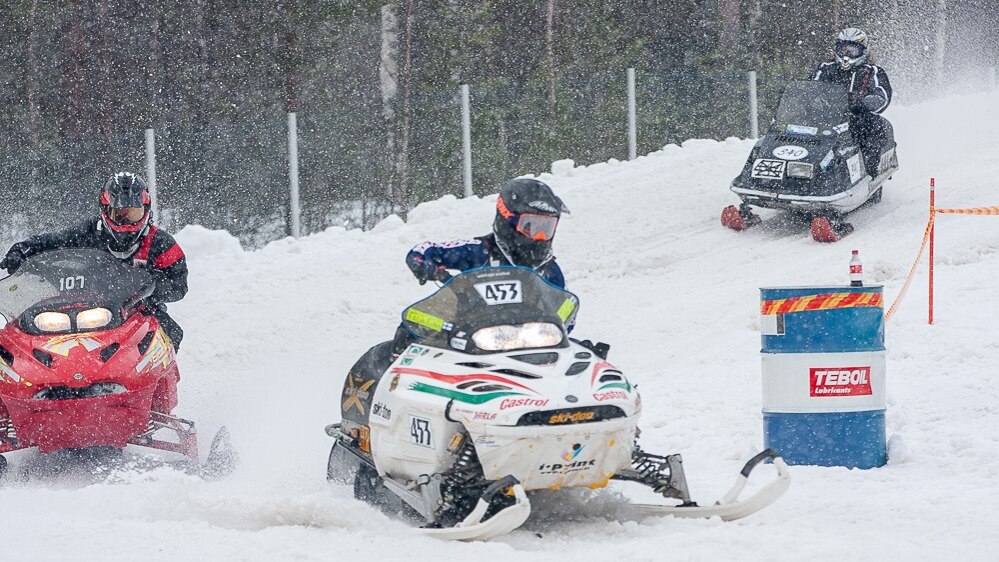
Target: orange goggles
x=126, y=215
x=536, y=227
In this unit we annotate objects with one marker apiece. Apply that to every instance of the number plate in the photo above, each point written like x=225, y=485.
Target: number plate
x=500, y=292
x=420, y=432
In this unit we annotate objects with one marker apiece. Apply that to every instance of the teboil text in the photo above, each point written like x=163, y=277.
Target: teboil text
x=839, y=381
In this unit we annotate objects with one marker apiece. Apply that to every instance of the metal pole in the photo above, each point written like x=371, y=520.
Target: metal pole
x=754, y=116
x=632, y=120
x=296, y=208
x=466, y=138
x=933, y=226
x=151, y=171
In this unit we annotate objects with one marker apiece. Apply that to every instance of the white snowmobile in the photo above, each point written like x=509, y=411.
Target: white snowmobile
x=494, y=400
x=809, y=163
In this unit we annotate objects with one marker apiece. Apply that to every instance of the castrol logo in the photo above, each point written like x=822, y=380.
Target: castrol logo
x=518, y=402
x=840, y=381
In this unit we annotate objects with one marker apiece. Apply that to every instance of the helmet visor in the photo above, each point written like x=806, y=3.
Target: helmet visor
x=849, y=49
x=537, y=227
x=126, y=215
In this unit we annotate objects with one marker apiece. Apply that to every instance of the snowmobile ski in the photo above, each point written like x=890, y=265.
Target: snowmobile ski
x=730, y=507
x=739, y=218
x=825, y=229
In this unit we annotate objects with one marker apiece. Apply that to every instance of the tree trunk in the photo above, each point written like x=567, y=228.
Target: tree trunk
x=835, y=16
x=154, y=70
x=388, y=74
x=31, y=81
x=407, y=81
x=940, y=45
x=550, y=50
x=728, y=38
x=105, y=117
x=73, y=75
x=291, y=45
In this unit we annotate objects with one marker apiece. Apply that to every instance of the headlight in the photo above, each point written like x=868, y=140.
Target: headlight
x=93, y=318
x=522, y=336
x=799, y=170
x=52, y=322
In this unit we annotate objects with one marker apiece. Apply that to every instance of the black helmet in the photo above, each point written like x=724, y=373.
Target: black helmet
x=527, y=213
x=124, y=202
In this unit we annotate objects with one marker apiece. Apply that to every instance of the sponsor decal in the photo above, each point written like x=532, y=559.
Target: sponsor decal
x=520, y=402
x=766, y=169
x=160, y=352
x=6, y=370
x=486, y=441
x=560, y=468
x=356, y=393
x=610, y=395
x=842, y=127
x=62, y=345
x=364, y=440
x=484, y=416
x=414, y=350
x=790, y=152
x=381, y=410
x=839, y=381
x=459, y=343
x=543, y=206
x=801, y=130
x=856, y=170
x=571, y=417
x=827, y=160
x=406, y=361
x=395, y=382
x=572, y=453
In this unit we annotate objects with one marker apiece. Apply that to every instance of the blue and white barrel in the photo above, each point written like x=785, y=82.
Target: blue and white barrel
x=824, y=375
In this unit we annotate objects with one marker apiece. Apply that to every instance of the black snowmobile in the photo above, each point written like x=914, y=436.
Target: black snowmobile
x=809, y=162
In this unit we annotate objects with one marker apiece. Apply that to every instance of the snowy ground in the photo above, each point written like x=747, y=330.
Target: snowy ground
x=270, y=335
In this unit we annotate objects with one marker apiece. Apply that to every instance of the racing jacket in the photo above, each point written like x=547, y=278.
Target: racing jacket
x=865, y=80
x=158, y=253
x=481, y=251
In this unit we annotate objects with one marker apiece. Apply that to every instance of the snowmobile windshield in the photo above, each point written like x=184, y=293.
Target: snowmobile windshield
x=812, y=104
x=72, y=290
x=494, y=309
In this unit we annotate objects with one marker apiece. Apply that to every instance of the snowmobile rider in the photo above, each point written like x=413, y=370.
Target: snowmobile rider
x=870, y=92
x=124, y=228
x=527, y=213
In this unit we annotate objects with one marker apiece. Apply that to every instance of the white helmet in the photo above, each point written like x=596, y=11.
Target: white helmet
x=851, y=48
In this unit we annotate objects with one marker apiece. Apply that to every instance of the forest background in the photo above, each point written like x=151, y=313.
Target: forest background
x=375, y=89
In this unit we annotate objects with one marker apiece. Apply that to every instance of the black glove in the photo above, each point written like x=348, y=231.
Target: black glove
x=15, y=256
x=425, y=270
x=872, y=103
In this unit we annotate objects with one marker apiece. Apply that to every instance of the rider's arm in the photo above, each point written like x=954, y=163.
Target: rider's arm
x=879, y=86
x=425, y=258
x=169, y=268
x=82, y=235
x=554, y=275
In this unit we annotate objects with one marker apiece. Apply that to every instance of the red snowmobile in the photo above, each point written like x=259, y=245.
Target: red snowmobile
x=81, y=365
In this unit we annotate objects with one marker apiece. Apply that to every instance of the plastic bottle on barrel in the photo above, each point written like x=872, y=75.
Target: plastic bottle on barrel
x=856, y=270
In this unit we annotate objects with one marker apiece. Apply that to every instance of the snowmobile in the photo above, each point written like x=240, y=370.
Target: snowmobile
x=809, y=163
x=483, y=397
x=83, y=368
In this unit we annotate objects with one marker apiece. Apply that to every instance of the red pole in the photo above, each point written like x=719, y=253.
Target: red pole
x=933, y=227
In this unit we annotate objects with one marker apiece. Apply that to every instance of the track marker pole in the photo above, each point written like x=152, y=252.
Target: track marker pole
x=933, y=227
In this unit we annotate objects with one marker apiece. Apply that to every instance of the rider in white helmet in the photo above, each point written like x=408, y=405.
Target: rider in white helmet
x=870, y=92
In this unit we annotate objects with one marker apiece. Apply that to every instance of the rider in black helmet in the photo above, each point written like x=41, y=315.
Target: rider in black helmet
x=124, y=228
x=527, y=214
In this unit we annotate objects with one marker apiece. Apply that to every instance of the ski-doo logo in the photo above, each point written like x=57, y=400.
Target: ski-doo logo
x=571, y=417
x=381, y=410
x=841, y=381
x=610, y=395
x=518, y=402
